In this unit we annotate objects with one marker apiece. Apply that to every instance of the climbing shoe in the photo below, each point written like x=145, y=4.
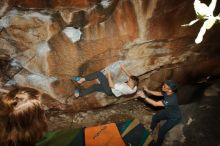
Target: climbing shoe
x=76, y=92
x=75, y=78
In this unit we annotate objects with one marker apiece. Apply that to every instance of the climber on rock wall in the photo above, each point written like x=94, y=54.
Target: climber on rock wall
x=106, y=84
x=171, y=112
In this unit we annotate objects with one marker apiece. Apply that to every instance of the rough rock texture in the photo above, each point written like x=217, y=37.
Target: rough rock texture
x=43, y=43
x=144, y=35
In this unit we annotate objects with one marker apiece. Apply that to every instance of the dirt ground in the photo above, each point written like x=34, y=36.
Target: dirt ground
x=133, y=109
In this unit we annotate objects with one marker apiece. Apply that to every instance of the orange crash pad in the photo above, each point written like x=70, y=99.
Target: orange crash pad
x=103, y=135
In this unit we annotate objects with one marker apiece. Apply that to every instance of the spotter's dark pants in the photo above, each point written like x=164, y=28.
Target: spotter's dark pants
x=171, y=121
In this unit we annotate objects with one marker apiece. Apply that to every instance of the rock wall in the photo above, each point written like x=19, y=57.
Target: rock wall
x=45, y=43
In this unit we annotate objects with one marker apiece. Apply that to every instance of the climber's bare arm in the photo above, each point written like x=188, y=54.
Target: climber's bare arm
x=124, y=70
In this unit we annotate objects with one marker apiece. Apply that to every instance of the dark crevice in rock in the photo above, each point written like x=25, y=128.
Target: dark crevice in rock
x=79, y=19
